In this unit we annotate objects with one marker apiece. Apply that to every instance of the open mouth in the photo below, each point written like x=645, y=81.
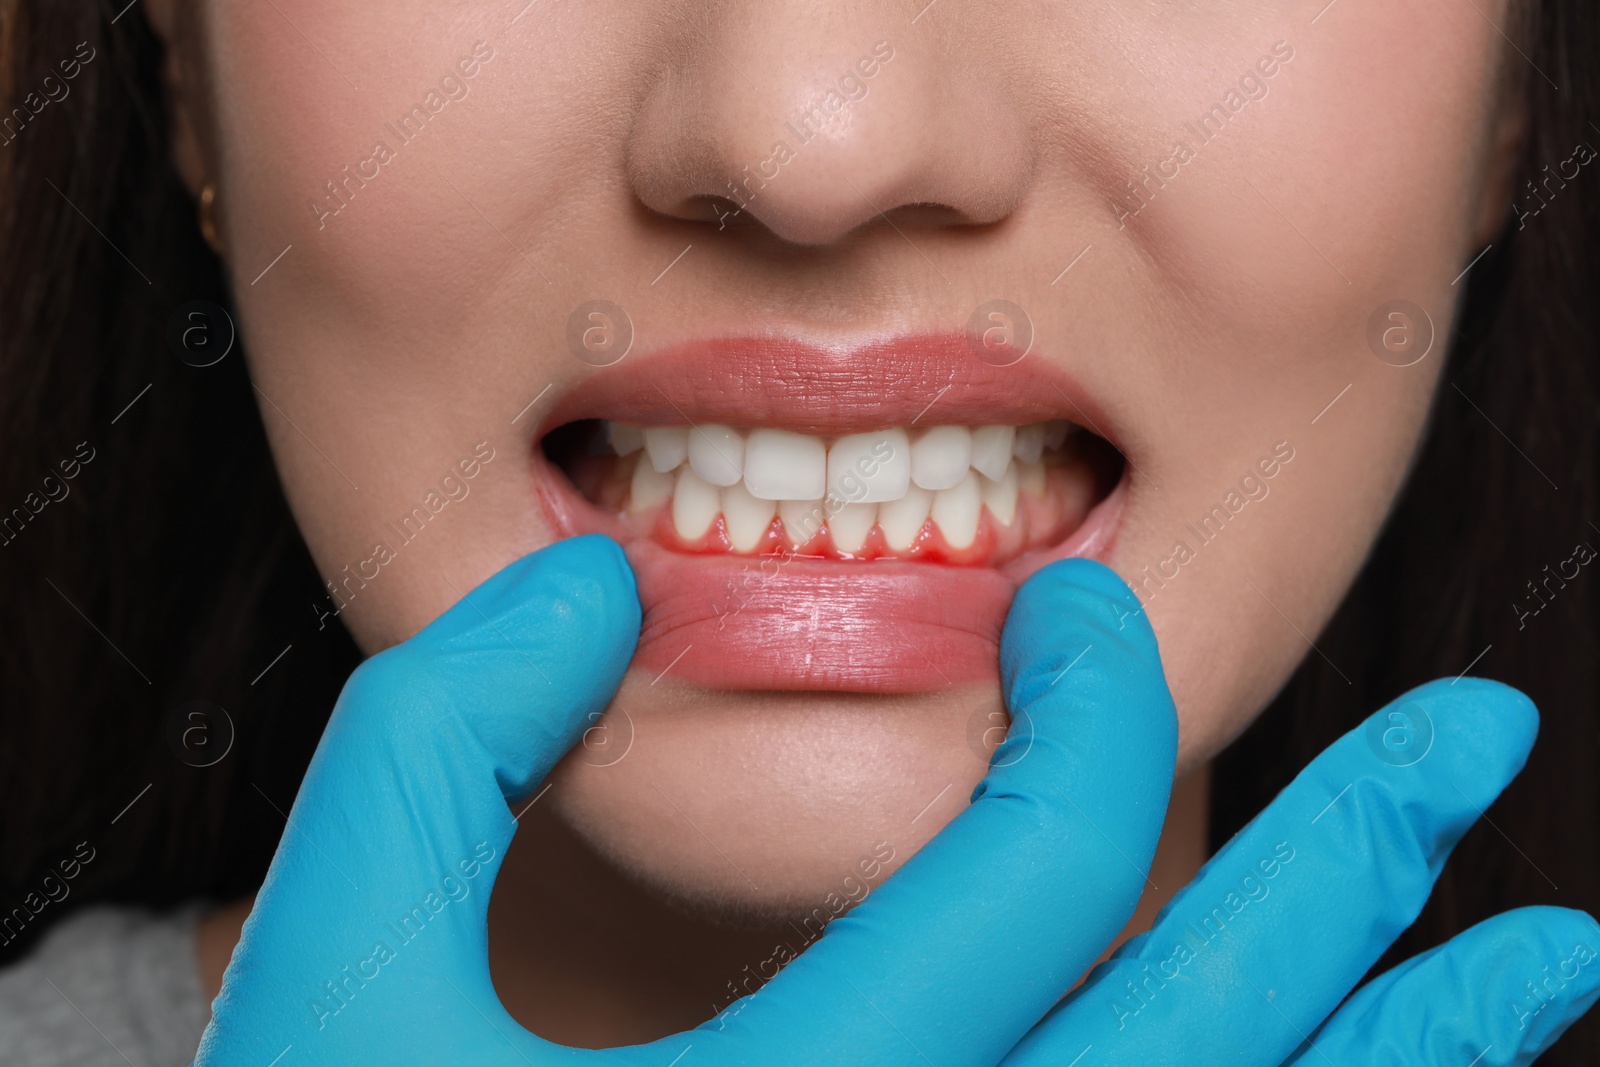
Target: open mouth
x=793, y=526
x=945, y=494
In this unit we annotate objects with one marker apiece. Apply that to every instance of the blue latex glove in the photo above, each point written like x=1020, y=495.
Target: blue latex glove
x=951, y=962
x=1246, y=963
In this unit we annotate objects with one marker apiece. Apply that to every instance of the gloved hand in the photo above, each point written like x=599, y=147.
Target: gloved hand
x=376, y=902
x=402, y=819
x=1246, y=963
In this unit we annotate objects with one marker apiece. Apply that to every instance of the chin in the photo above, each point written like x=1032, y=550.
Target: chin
x=759, y=808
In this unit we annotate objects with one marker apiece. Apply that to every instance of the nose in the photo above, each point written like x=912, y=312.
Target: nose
x=816, y=119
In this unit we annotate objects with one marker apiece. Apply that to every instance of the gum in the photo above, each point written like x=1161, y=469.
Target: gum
x=1040, y=521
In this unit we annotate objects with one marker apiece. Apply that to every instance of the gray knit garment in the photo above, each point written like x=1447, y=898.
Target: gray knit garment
x=106, y=987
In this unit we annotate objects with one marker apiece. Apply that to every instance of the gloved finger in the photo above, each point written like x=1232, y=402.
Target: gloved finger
x=400, y=823
x=965, y=947
x=1281, y=924
x=1497, y=995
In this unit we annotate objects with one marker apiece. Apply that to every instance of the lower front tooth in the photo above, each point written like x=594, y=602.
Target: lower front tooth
x=902, y=520
x=956, y=509
x=850, y=526
x=695, y=503
x=748, y=518
x=1000, y=497
x=650, y=487
x=801, y=519
x=1030, y=478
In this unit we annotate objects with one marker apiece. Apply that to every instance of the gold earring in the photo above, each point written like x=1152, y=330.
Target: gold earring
x=208, y=219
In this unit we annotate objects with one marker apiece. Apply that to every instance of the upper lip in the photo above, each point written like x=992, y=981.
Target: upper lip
x=927, y=379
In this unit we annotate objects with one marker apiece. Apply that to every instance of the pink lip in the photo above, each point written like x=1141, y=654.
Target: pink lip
x=739, y=622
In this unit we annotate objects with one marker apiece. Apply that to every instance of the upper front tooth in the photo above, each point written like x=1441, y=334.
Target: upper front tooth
x=955, y=510
x=695, y=503
x=625, y=437
x=747, y=518
x=668, y=446
x=865, y=468
x=991, y=450
x=780, y=465
x=941, y=456
x=1029, y=443
x=1055, y=433
x=716, y=453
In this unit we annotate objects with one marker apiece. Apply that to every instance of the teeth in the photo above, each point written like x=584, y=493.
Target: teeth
x=650, y=487
x=747, y=518
x=1001, y=497
x=1030, y=478
x=941, y=456
x=667, y=446
x=955, y=510
x=801, y=519
x=779, y=465
x=624, y=437
x=1028, y=445
x=950, y=475
x=902, y=520
x=991, y=450
x=851, y=524
x=717, y=453
x=865, y=468
x=695, y=503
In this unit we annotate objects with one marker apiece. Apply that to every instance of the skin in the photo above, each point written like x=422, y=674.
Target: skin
x=1219, y=321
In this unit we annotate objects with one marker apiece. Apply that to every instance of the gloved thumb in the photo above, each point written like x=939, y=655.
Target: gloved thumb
x=392, y=844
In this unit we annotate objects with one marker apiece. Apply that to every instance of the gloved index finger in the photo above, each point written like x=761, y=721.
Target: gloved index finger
x=958, y=953
x=1278, y=927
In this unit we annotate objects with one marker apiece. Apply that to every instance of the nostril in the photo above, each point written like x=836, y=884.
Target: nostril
x=929, y=215
x=725, y=212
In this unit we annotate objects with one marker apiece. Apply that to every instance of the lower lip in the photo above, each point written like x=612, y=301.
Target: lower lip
x=737, y=622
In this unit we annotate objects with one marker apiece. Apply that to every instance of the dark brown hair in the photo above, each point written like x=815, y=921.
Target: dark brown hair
x=171, y=569
x=167, y=568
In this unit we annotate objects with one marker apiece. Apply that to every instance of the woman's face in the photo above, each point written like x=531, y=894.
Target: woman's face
x=1201, y=221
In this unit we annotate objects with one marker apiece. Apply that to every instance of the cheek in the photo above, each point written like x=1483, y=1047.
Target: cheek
x=346, y=318
x=384, y=247
x=1351, y=184
x=1312, y=209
